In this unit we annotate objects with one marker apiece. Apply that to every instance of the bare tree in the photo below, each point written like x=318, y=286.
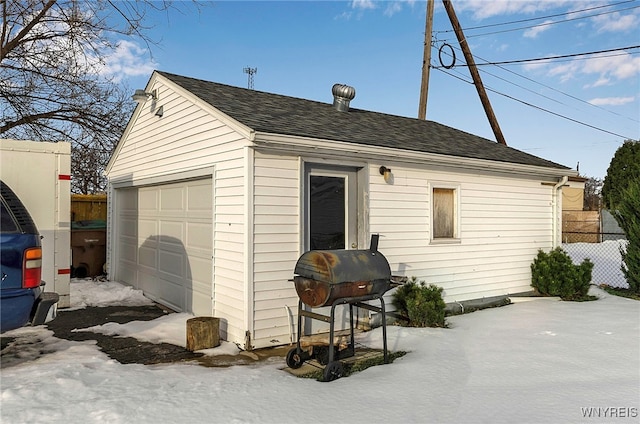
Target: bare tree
x=52, y=81
x=592, y=194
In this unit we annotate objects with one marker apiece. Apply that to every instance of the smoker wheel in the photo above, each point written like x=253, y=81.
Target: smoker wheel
x=333, y=371
x=295, y=359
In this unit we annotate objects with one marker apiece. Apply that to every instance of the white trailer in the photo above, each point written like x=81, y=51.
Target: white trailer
x=40, y=174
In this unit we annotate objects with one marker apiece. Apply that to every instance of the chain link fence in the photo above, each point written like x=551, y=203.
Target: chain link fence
x=604, y=250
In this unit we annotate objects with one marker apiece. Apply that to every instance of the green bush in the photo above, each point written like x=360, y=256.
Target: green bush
x=554, y=274
x=421, y=303
x=621, y=195
x=628, y=216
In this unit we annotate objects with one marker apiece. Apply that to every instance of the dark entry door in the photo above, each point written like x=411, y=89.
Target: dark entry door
x=331, y=208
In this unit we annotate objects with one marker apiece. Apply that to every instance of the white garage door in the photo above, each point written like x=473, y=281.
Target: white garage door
x=165, y=243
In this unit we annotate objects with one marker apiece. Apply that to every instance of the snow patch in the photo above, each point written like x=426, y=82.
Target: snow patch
x=87, y=292
x=541, y=360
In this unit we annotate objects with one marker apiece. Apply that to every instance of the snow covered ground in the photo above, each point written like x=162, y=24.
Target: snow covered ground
x=539, y=360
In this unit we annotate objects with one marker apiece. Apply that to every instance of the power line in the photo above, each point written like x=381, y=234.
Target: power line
x=544, y=24
x=548, y=87
x=540, y=108
x=563, y=56
x=544, y=17
x=571, y=59
x=575, y=56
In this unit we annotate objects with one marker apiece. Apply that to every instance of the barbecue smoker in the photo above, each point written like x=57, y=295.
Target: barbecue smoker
x=332, y=278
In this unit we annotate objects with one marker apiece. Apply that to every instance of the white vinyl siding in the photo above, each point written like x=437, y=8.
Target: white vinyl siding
x=186, y=138
x=229, y=248
x=276, y=246
x=503, y=222
x=256, y=224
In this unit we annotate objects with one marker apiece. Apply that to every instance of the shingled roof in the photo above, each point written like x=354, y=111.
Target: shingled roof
x=278, y=114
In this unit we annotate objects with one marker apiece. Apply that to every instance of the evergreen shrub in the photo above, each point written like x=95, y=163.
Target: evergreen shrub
x=554, y=274
x=421, y=303
x=628, y=216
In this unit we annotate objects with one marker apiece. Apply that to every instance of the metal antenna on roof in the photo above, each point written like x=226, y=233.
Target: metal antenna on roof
x=251, y=72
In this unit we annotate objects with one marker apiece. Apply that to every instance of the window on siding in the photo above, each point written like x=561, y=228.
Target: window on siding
x=444, y=213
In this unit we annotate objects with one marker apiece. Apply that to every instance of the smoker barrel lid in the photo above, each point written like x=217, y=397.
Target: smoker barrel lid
x=340, y=266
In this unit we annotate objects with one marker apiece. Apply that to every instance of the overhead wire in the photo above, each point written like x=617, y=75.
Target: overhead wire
x=562, y=56
x=575, y=56
x=538, y=83
x=539, y=18
x=544, y=23
x=538, y=107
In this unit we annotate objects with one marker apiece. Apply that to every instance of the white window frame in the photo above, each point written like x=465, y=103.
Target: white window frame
x=456, y=213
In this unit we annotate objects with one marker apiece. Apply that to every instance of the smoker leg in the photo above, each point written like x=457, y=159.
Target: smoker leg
x=352, y=343
x=296, y=356
x=300, y=328
x=384, y=330
x=332, y=328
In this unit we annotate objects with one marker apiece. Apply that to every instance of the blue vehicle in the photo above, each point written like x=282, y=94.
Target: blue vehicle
x=22, y=300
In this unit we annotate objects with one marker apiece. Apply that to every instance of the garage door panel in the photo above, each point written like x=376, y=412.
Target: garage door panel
x=128, y=227
x=171, y=263
x=147, y=257
x=128, y=249
x=128, y=201
x=201, y=288
x=165, y=243
x=148, y=200
x=162, y=290
x=147, y=230
x=128, y=273
x=172, y=229
x=172, y=294
x=200, y=198
x=200, y=305
x=172, y=199
x=199, y=268
x=147, y=281
x=199, y=235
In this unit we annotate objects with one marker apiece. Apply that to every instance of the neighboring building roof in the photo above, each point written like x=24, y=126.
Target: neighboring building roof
x=278, y=114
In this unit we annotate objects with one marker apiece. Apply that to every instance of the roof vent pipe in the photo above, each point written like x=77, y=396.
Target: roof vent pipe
x=342, y=95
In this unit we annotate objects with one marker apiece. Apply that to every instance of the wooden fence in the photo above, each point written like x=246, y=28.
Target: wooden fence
x=88, y=207
x=581, y=227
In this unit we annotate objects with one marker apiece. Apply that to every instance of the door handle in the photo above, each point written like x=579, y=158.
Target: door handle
x=354, y=245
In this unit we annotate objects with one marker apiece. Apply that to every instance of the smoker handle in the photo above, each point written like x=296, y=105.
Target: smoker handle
x=373, y=246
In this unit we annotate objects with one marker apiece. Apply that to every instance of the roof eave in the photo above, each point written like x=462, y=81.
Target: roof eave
x=307, y=145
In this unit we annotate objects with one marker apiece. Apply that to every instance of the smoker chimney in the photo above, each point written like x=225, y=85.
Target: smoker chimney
x=342, y=95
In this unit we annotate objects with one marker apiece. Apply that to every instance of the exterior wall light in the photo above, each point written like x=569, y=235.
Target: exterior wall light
x=386, y=174
x=141, y=96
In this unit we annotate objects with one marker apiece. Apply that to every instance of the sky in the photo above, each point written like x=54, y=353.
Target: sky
x=574, y=110
x=538, y=360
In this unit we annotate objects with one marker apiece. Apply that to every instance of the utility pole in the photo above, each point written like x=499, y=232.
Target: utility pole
x=426, y=61
x=251, y=72
x=477, y=81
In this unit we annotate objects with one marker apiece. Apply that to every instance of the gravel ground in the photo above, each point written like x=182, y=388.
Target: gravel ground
x=126, y=350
